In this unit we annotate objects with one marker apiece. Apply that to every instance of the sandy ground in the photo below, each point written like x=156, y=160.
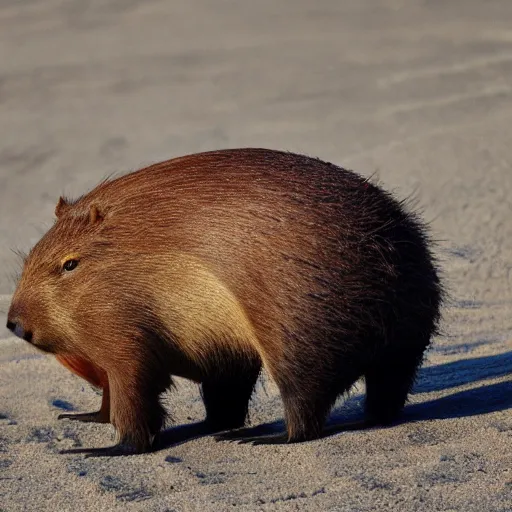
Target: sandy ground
x=418, y=92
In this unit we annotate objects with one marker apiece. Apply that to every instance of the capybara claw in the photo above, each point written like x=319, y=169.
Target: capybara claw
x=88, y=417
x=118, y=450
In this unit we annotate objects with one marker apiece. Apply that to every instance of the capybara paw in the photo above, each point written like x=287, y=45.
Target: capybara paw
x=117, y=450
x=239, y=433
x=267, y=439
x=88, y=417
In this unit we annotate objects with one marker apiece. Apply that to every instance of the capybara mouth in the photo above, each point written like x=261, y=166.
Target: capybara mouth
x=28, y=335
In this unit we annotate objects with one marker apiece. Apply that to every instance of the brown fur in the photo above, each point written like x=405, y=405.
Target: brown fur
x=210, y=265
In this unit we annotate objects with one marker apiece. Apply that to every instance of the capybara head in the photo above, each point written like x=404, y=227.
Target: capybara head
x=56, y=274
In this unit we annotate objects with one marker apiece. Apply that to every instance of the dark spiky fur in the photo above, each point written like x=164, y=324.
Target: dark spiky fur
x=212, y=265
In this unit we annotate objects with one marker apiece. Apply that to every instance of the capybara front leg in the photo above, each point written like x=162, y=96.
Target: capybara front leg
x=135, y=412
x=226, y=395
x=97, y=377
x=101, y=416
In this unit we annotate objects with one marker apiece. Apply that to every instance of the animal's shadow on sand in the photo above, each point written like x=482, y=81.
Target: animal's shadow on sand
x=471, y=402
x=465, y=371
x=349, y=415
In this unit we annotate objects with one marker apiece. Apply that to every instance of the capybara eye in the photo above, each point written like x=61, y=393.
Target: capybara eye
x=70, y=265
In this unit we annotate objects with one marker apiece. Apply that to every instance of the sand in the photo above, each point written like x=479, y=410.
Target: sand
x=417, y=92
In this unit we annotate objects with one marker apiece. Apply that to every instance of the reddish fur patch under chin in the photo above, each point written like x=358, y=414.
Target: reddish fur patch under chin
x=85, y=369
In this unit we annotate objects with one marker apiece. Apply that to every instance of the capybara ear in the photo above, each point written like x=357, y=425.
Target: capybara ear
x=61, y=207
x=95, y=215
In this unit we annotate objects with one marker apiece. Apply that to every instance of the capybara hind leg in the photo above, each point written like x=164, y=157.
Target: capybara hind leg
x=226, y=396
x=306, y=406
x=307, y=403
x=101, y=416
x=310, y=391
x=304, y=418
x=388, y=382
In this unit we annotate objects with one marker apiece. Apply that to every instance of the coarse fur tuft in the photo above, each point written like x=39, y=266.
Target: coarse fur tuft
x=211, y=265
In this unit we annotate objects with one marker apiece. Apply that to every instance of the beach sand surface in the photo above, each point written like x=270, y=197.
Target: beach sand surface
x=416, y=93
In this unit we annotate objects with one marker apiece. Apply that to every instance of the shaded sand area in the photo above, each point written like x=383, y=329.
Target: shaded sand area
x=418, y=93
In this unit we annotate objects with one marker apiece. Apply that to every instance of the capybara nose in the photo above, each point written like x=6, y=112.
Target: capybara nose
x=18, y=330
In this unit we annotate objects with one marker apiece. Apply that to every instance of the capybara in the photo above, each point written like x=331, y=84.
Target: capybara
x=214, y=265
